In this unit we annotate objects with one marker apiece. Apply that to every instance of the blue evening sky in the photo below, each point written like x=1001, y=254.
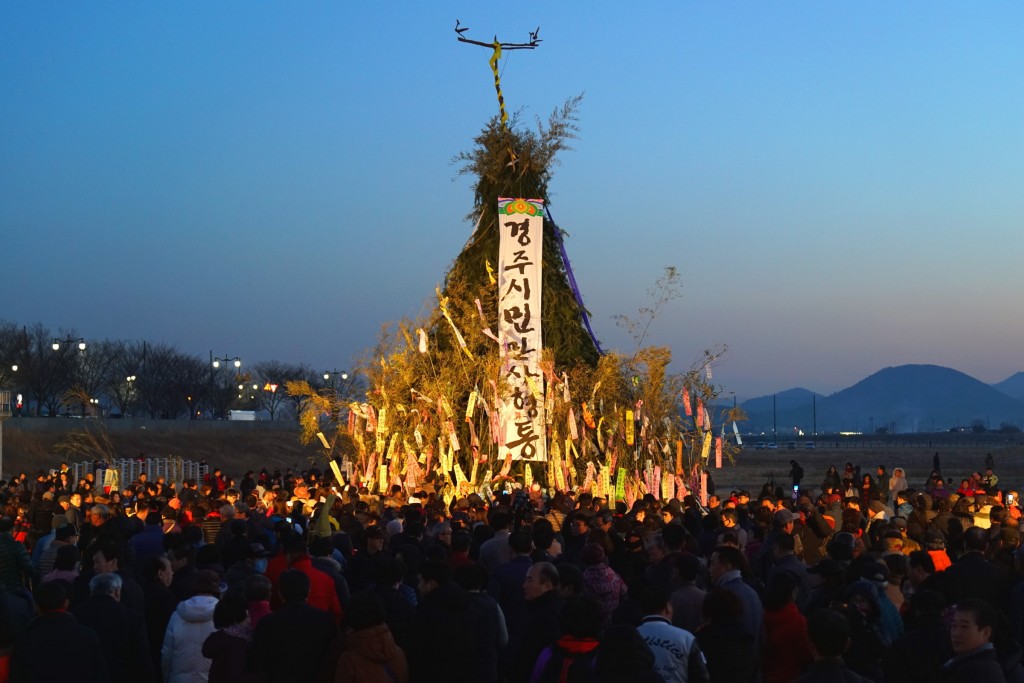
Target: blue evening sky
x=840, y=184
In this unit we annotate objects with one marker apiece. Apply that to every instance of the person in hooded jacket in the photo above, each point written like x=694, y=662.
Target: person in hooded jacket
x=867, y=644
x=370, y=654
x=192, y=622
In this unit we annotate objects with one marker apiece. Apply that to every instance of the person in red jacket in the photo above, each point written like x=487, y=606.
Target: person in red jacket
x=322, y=594
x=787, y=648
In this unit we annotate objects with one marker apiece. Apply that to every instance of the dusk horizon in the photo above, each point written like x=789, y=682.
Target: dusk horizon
x=837, y=186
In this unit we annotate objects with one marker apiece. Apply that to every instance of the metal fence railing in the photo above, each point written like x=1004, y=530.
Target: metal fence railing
x=126, y=471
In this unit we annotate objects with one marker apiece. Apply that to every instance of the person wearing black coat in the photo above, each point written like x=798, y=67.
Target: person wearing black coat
x=972, y=575
x=624, y=656
x=160, y=602
x=829, y=632
x=918, y=655
x=399, y=612
x=505, y=585
x=447, y=614
x=544, y=618
x=289, y=645
x=970, y=633
x=121, y=630
x=730, y=650
x=56, y=630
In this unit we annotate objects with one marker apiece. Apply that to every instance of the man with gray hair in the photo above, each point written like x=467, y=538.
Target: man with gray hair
x=97, y=522
x=121, y=630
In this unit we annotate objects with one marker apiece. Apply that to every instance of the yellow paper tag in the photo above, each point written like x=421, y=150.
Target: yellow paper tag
x=337, y=474
x=706, y=450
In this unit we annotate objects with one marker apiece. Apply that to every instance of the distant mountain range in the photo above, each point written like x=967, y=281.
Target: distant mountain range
x=903, y=399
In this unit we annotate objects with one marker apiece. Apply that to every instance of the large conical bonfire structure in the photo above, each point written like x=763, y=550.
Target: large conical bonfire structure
x=443, y=392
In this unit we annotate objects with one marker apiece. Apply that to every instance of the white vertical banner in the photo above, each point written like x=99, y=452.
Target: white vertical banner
x=521, y=222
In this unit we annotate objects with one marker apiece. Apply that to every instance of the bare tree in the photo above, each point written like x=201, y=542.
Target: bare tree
x=171, y=383
x=188, y=384
x=90, y=369
x=48, y=372
x=123, y=371
x=11, y=353
x=271, y=377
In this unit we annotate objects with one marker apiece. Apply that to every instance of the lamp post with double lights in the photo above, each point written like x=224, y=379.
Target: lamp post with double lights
x=58, y=342
x=336, y=381
x=215, y=364
x=69, y=343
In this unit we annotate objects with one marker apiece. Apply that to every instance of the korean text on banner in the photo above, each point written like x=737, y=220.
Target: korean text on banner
x=521, y=223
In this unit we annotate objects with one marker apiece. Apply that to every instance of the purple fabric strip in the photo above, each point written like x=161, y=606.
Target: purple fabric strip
x=572, y=282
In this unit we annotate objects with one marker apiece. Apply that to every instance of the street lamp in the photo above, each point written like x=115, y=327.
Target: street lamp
x=57, y=345
x=214, y=365
x=332, y=376
x=80, y=341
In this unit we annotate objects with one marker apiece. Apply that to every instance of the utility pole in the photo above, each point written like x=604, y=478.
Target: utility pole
x=5, y=412
x=814, y=407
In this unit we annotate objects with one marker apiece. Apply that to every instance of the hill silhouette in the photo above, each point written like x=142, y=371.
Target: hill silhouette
x=1012, y=386
x=907, y=398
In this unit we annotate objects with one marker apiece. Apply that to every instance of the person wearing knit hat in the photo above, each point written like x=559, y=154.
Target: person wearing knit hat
x=600, y=582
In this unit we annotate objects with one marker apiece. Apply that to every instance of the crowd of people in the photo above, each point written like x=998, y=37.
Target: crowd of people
x=285, y=576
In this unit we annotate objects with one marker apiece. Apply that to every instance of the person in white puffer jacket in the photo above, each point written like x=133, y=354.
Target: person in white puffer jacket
x=182, y=654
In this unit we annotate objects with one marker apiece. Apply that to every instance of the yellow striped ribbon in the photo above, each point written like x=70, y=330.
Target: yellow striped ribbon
x=495, y=56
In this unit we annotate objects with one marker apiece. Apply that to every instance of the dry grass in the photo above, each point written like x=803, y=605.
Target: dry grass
x=232, y=452
x=237, y=451
x=754, y=466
